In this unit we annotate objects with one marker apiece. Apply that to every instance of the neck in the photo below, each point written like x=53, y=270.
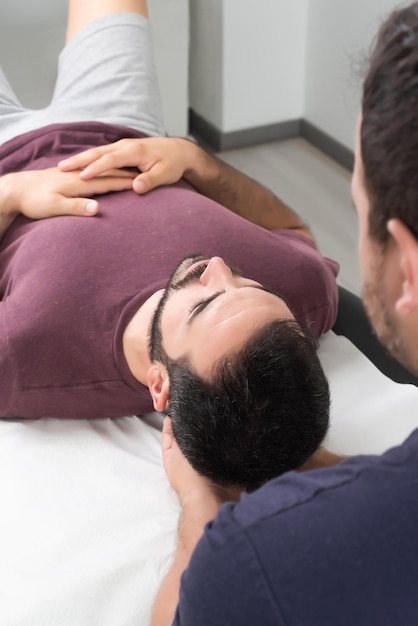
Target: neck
x=135, y=338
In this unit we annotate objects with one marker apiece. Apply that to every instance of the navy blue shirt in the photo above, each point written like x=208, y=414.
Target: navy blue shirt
x=333, y=546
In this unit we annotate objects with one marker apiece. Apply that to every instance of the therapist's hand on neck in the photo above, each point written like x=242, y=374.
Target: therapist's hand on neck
x=200, y=500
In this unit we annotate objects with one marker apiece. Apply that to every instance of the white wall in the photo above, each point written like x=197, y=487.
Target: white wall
x=206, y=59
x=265, y=62
x=339, y=36
x=170, y=27
x=251, y=63
x=247, y=61
x=39, y=12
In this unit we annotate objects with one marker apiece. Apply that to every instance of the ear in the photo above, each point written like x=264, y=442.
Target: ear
x=158, y=384
x=408, y=259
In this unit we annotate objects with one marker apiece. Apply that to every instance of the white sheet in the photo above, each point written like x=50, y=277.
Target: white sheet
x=88, y=522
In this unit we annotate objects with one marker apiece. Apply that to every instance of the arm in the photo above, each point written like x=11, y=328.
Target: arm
x=163, y=161
x=239, y=193
x=198, y=509
x=200, y=502
x=46, y=193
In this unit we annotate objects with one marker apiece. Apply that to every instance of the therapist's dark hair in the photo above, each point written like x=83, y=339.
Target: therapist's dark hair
x=264, y=411
x=389, y=129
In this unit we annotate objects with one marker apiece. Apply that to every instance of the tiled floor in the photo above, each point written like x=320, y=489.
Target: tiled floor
x=315, y=187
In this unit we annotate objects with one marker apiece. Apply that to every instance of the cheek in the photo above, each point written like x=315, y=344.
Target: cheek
x=171, y=329
x=174, y=329
x=363, y=252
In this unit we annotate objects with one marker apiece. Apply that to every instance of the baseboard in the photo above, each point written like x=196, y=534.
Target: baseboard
x=215, y=140
x=327, y=145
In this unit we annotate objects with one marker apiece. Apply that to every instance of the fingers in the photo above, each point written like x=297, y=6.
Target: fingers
x=72, y=204
x=120, y=173
x=105, y=184
x=81, y=160
x=97, y=161
x=158, y=159
x=105, y=165
x=91, y=207
x=75, y=206
x=95, y=166
x=155, y=177
x=88, y=206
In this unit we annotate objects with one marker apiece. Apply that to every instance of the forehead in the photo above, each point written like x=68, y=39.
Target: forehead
x=234, y=304
x=223, y=327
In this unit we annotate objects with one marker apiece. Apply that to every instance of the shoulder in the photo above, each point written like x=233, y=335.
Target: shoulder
x=312, y=284
x=298, y=496
x=305, y=247
x=294, y=545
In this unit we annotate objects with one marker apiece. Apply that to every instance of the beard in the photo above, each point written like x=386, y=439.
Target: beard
x=179, y=279
x=384, y=322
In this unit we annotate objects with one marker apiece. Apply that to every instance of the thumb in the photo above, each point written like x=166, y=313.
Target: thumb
x=157, y=176
x=76, y=206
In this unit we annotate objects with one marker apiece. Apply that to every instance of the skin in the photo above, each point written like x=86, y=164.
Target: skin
x=164, y=160
x=390, y=293
x=49, y=193
x=59, y=193
x=200, y=502
x=214, y=313
x=389, y=276
x=82, y=12
x=208, y=311
x=222, y=325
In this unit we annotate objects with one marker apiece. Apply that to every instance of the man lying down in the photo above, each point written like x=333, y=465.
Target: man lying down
x=202, y=298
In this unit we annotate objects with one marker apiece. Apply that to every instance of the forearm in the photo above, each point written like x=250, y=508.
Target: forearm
x=195, y=515
x=242, y=195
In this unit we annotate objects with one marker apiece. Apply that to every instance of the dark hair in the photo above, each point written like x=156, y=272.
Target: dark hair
x=389, y=133
x=264, y=411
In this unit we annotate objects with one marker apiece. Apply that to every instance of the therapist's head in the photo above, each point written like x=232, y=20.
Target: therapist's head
x=239, y=378
x=385, y=186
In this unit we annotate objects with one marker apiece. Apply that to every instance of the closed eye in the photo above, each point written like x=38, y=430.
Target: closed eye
x=200, y=305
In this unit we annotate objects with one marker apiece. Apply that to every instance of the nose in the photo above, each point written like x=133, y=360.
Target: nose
x=217, y=274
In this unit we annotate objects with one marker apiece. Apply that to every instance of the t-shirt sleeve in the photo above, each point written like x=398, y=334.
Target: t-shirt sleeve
x=314, y=289
x=224, y=583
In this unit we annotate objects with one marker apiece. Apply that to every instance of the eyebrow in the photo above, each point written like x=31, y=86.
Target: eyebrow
x=201, y=306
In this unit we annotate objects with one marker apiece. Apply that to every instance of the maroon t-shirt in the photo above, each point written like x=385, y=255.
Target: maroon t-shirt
x=70, y=285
